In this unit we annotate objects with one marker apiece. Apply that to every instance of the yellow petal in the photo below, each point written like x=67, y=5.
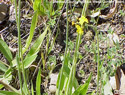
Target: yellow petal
x=73, y=23
x=79, y=29
x=82, y=20
x=77, y=26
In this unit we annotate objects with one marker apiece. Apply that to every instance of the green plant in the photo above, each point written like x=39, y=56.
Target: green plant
x=113, y=60
x=66, y=79
x=19, y=62
x=107, y=63
x=67, y=83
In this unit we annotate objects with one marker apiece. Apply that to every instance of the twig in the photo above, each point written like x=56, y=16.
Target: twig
x=9, y=87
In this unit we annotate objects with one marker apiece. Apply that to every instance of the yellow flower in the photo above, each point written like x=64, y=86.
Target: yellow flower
x=79, y=29
x=82, y=20
x=73, y=23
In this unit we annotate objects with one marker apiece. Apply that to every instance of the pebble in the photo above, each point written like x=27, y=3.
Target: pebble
x=53, y=81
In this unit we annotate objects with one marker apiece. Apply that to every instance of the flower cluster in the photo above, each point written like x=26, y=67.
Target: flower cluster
x=79, y=29
x=81, y=21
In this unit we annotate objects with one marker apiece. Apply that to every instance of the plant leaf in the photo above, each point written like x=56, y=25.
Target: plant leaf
x=8, y=87
x=36, y=46
x=1, y=86
x=38, y=83
x=8, y=93
x=36, y=5
x=65, y=74
x=61, y=83
x=82, y=89
x=32, y=54
x=32, y=89
x=29, y=60
x=5, y=50
x=3, y=67
x=8, y=75
x=32, y=29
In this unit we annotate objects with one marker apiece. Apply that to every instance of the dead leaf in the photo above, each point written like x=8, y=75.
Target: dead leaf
x=122, y=87
x=95, y=14
x=111, y=12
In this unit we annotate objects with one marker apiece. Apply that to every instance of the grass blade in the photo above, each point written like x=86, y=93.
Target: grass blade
x=38, y=82
x=3, y=67
x=9, y=87
x=8, y=93
x=82, y=89
x=29, y=60
x=36, y=46
x=32, y=89
x=32, y=29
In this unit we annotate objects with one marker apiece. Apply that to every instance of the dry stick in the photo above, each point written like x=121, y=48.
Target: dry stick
x=117, y=78
x=36, y=68
x=4, y=29
x=8, y=87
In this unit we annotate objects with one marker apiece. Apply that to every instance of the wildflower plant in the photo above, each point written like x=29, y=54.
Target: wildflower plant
x=66, y=79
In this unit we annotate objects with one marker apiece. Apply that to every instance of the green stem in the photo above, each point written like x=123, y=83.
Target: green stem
x=85, y=8
x=9, y=87
x=19, y=74
x=73, y=68
x=20, y=55
x=67, y=29
x=19, y=37
x=98, y=64
x=18, y=62
x=98, y=57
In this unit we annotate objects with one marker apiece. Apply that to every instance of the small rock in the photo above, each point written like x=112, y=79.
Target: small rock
x=88, y=36
x=52, y=88
x=113, y=38
x=53, y=79
x=113, y=82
